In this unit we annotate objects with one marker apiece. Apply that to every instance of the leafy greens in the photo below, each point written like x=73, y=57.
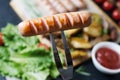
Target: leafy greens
x=20, y=57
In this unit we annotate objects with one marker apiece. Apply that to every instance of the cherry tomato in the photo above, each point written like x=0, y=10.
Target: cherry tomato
x=1, y=39
x=116, y=14
x=44, y=46
x=118, y=3
x=99, y=1
x=107, y=5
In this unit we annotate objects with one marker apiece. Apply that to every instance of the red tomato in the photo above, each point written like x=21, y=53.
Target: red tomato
x=1, y=40
x=116, y=14
x=99, y=1
x=44, y=46
x=118, y=3
x=107, y=5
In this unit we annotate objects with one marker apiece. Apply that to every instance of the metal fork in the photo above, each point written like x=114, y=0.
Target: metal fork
x=66, y=74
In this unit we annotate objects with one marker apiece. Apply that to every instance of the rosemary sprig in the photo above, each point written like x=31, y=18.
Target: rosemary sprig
x=81, y=70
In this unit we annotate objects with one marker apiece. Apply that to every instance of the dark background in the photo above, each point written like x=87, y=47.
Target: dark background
x=7, y=15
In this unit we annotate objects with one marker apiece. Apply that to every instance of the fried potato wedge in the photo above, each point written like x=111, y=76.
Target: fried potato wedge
x=80, y=43
x=95, y=29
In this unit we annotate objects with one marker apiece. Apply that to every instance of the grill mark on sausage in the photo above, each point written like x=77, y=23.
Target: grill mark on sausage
x=57, y=22
x=80, y=19
x=70, y=19
x=45, y=25
x=32, y=27
x=39, y=26
x=76, y=19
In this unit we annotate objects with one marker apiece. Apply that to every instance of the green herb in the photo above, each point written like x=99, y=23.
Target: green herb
x=81, y=70
x=105, y=31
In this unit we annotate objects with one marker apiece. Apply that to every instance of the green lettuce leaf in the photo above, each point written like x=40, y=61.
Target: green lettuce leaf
x=20, y=57
x=9, y=68
x=41, y=75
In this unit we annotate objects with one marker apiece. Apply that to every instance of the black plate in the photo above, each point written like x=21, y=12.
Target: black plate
x=8, y=15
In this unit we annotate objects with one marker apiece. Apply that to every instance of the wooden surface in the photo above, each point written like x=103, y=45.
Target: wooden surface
x=18, y=8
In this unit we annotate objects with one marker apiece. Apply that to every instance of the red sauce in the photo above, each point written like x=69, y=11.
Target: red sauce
x=108, y=58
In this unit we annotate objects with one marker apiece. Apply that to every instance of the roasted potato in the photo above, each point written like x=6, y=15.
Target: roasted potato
x=95, y=29
x=80, y=43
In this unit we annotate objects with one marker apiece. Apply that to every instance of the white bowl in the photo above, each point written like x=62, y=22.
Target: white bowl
x=101, y=68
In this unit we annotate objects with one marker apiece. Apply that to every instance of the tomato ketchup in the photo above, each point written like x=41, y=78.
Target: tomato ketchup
x=108, y=58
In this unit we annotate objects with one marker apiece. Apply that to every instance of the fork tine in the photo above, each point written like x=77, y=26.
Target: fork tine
x=55, y=52
x=66, y=74
x=67, y=50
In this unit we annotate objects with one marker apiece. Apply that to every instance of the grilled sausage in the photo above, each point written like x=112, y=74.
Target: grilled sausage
x=54, y=23
x=58, y=6
x=79, y=3
x=68, y=5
